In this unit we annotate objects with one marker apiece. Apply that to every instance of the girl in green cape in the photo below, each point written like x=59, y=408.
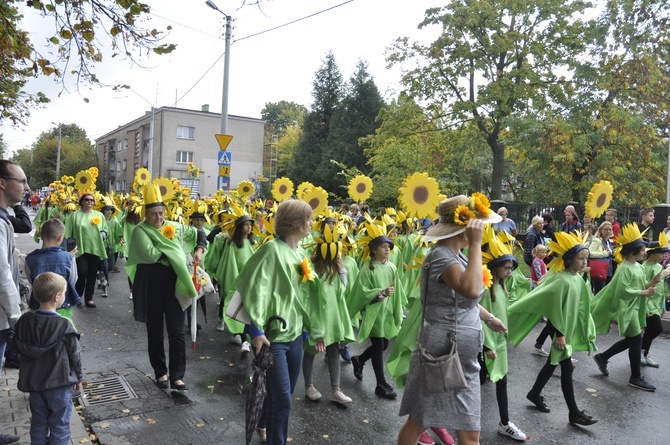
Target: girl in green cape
x=499, y=260
x=564, y=298
x=656, y=303
x=624, y=299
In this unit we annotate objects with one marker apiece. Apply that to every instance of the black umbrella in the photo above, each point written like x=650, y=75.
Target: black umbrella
x=256, y=393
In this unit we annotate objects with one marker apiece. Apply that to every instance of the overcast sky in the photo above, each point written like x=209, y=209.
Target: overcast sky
x=277, y=65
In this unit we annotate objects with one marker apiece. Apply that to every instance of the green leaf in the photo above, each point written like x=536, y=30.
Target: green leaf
x=54, y=40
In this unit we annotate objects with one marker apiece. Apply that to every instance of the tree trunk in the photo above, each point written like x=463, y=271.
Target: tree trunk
x=498, y=165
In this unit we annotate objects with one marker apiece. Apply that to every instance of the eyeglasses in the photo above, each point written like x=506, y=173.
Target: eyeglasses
x=22, y=181
x=88, y=200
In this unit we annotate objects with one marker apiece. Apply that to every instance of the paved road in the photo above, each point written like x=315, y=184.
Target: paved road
x=213, y=410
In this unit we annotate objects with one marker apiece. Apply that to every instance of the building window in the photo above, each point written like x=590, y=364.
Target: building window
x=119, y=145
x=184, y=157
x=125, y=164
x=185, y=132
x=118, y=166
x=123, y=185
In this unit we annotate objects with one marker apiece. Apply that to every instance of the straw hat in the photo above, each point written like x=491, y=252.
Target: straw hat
x=462, y=209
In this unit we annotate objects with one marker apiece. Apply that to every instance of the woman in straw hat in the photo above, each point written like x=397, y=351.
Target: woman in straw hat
x=449, y=278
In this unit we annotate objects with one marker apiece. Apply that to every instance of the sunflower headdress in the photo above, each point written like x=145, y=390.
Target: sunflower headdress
x=372, y=236
x=236, y=215
x=360, y=188
x=282, y=189
x=660, y=246
x=328, y=245
x=599, y=199
x=494, y=250
x=629, y=238
x=325, y=217
x=419, y=195
x=565, y=249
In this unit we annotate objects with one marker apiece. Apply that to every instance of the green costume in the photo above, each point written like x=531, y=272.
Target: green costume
x=497, y=368
x=44, y=214
x=621, y=300
x=149, y=246
x=565, y=299
x=127, y=233
x=231, y=263
x=89, y=240
x=212, y=261
x=113, y=235
x=381, y=319
x=518, y=285
x=656, y=302
x=271, y=283
x=336, y=320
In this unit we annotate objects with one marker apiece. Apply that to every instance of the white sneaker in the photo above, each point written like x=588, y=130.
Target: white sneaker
x=643, y=359
x=236, y=340
x=650, y=362
x=540, y=351
x=130, y=296
x=246, y=347
x=311, y=393
x=513, y=431
x=221, y=325
x=339, y=397
x=573, y=360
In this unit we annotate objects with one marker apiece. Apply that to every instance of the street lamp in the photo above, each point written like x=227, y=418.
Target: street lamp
x=58, y=152
x=226, y=68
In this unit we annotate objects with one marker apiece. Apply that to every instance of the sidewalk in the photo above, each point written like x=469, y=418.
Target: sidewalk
x=15, y=412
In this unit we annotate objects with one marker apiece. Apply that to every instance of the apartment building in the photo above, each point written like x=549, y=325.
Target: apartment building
x=181, y=136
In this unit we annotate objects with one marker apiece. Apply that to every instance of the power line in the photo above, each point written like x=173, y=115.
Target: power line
x=257, y=34
x=185, y=26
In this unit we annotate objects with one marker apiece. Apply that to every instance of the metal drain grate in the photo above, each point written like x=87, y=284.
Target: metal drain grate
x=111, y=389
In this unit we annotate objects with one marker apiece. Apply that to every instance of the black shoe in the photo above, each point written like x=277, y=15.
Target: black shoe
x=8, y=438
x=602, y=364
x=538, y=401
x=386, y=391
x=14, y=364
x=641, y=383
x=358, y=367
x=162, y=384
x=581, y=418
x=344, y=353
x=179, y=387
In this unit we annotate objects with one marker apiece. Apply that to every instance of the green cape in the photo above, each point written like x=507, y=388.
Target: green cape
x=495, y=341
x=621, y=300
x=87, y=234
x=148, y=245
x=655, y=303
x=565, y=299
x=231, y=262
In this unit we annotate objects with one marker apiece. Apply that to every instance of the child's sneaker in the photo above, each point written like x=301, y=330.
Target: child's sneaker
x=650, y=362
x=358, y=367
x=602, y=364
x=236, y=339
x=425, y=439
x=311, y=393
x=581, y=418
x=540, y=351
x=246, y=346
x=386, y=391
x=339, y=397
x=641, y=383
x=513, y=431
x=344, y=353
x=220, y=325
x=643, y=359
x=443, y=435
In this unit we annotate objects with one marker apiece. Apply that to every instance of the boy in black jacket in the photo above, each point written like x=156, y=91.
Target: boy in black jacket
x=50, y=366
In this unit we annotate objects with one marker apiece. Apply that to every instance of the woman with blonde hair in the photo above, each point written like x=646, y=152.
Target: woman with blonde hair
x=601, y=248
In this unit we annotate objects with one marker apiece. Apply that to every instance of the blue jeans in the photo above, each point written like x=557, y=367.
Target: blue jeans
x=50, y=419
x=281, y=381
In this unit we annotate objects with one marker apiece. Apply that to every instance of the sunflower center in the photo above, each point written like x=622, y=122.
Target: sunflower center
x=282, y=189
x=83, y=180
x=361, y=187
x=601, y=199
x=314, y=203
x=421, y=194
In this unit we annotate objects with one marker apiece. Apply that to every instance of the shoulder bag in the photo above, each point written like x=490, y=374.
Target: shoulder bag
x=440, y=374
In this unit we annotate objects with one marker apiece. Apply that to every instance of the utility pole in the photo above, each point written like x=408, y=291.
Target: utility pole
x=226, y=67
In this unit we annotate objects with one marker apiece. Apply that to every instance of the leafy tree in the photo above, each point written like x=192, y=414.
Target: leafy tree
x=494, y=59
x=78, y=26
x=308, y=160
x=286, y=148
x=39, y=163
x=282, y=115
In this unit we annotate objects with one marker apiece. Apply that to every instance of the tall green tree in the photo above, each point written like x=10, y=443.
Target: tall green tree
x=356, y=117
x=282, y=115
x=307, y=164
x=493, y=59
x=76, y=27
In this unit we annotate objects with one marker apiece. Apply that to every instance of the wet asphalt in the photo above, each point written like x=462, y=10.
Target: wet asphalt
x=212, y=410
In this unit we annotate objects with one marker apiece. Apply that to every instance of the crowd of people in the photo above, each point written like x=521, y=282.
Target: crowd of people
x=388, y=280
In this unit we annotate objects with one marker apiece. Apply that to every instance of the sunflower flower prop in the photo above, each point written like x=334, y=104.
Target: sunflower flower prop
x=370, y=230
x=599, y=199
x=168, y=231
x=306, y=270
x=360, y=188
x=166, y=187
x=245, y=189
x=142, y=176
x=317, y=198
x=564, y=242
x=419, y=195
x=84, y=181
x=282, y=189
x=487, y=277
x=477, y=207
x=96, y=221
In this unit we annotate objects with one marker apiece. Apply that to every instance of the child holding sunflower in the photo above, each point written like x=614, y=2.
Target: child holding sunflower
x=499, y=260
x=565, y=299
x=624, y=300
x=377, y=291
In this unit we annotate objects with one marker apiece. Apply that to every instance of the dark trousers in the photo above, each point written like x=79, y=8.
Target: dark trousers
x=376, y=353
x=50, y=420
x=566, y=382
x=654, y=329
x=87, y=270
x=163, y=308
x=634, y=346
